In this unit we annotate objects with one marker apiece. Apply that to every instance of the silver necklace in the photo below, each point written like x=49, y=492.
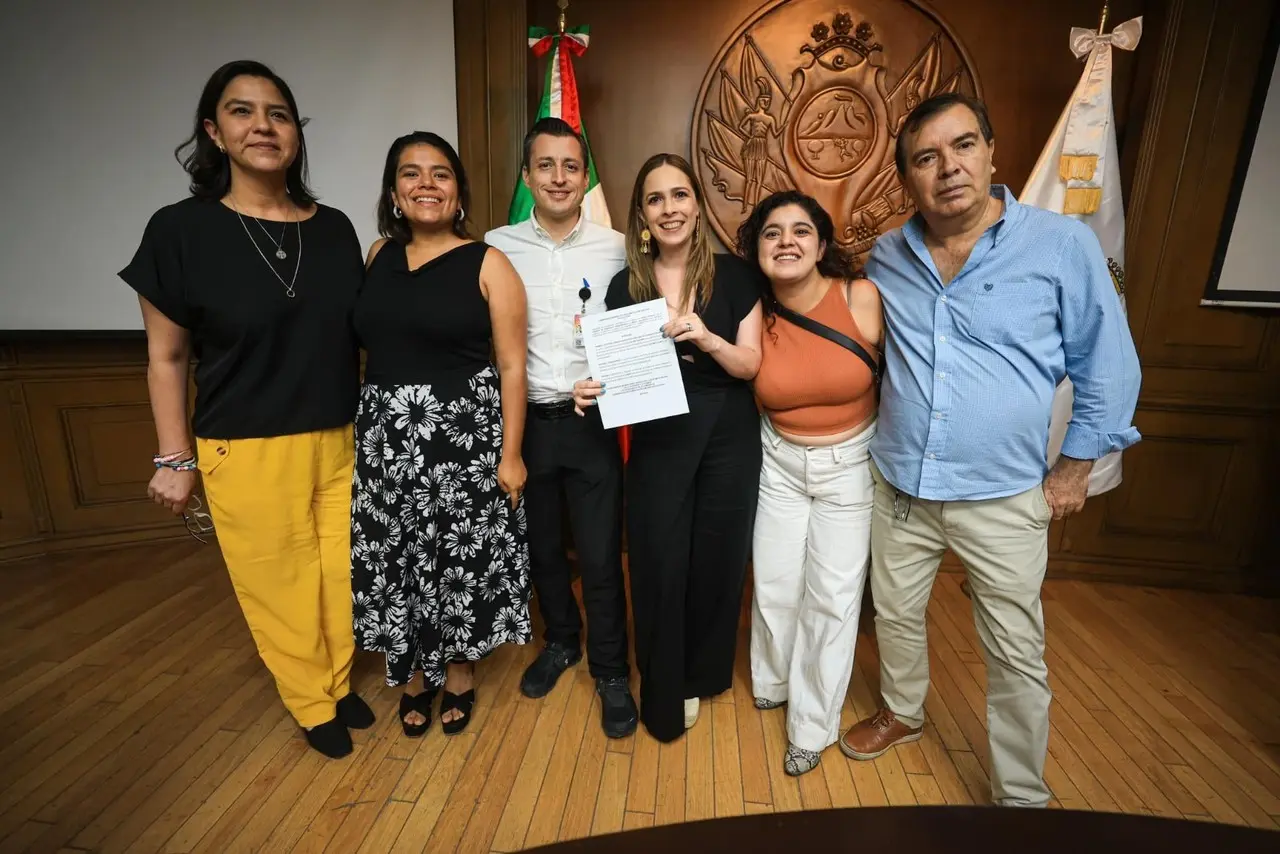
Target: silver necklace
x=280, y=253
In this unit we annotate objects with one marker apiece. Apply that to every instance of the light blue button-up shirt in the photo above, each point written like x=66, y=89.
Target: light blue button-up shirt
x=971, y=367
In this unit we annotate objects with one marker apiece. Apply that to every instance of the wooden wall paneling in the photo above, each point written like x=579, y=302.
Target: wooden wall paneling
x=52, y=356
x=1189, y=495
x=472, y=57
x=491, y=40
x=76, y=439
x=1193, y=507
x=17, y=509
x=1191, y=354
x=1262, y=575
x=1213, y=69
x=94, y=442
x=509, y=31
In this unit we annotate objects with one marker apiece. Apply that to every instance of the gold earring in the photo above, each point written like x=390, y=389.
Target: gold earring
x=644, y=241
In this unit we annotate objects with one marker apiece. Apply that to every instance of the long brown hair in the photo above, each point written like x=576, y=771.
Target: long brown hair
x=699, y=272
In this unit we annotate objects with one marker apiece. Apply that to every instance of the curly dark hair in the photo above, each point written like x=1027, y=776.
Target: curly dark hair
x=397, y=229
x=209, y=168
x=836, y=262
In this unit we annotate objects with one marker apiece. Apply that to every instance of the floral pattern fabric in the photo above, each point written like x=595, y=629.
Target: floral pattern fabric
x=439, y=558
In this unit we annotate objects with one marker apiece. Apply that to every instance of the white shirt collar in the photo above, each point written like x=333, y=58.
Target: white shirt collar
x=545, y=235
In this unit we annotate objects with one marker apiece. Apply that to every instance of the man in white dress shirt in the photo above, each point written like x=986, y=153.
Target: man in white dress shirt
x=566, y=263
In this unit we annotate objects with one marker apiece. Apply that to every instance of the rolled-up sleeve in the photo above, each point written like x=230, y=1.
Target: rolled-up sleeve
x=1101, y=359
x=155, y=272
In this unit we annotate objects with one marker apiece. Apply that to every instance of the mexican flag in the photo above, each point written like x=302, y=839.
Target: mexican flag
x=1078, y=174
x=560, y=100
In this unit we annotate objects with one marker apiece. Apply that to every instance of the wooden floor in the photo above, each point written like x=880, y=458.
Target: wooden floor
x=136, y=716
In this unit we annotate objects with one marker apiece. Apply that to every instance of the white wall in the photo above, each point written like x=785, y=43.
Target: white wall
x=1251, y=268
x=97, y=93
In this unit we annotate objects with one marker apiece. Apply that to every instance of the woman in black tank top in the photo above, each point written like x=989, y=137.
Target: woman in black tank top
x=440, y=561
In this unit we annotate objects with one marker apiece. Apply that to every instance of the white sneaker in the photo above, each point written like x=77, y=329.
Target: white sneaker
x=690, y=712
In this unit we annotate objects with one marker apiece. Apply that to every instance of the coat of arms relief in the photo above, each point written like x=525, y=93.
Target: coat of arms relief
x=811, y=95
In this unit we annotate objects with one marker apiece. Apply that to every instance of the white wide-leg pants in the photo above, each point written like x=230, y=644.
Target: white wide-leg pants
x=811, y=549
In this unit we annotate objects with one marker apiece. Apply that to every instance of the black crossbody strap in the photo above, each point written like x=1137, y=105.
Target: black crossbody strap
x=832, y=335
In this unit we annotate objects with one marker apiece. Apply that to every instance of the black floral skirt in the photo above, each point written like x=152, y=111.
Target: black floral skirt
x=439, y=559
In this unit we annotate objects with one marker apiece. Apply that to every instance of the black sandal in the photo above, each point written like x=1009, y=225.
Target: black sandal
x=463, y=702
x=421, y=704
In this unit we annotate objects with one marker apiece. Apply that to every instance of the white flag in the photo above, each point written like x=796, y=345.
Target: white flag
x=1078, y=174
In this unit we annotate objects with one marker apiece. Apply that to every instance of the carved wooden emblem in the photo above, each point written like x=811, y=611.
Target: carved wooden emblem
x=810, y=95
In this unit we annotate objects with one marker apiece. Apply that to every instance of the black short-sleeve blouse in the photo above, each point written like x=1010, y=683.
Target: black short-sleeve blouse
x=735, y=290
x=267, y=364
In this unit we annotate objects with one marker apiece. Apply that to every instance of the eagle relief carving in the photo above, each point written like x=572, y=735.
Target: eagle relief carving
x=811, y=95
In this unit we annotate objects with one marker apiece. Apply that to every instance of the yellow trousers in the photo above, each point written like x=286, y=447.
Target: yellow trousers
x=281, y=508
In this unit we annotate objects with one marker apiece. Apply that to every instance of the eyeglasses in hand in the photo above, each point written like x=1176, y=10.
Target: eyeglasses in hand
x=199, y=522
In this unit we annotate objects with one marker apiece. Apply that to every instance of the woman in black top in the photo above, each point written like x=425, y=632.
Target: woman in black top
x=440, y=559
x=691, y=479
x=257, y=280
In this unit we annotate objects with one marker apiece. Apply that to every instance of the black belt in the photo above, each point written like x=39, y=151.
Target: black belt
x=559, y=409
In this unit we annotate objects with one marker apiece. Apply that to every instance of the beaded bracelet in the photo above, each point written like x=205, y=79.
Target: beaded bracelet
x=178, y=461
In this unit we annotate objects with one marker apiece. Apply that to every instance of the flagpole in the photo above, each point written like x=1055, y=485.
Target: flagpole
x=564, y=4
x=1102, y=25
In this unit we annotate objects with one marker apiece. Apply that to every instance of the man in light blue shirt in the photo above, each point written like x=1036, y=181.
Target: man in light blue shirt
x=988, y=305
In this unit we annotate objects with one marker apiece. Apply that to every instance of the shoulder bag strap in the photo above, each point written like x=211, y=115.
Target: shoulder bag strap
x=832, y=335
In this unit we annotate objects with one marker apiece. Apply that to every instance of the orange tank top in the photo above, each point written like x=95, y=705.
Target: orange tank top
x=809, y=386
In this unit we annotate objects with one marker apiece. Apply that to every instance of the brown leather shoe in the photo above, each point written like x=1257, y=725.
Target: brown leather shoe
x=874, y=736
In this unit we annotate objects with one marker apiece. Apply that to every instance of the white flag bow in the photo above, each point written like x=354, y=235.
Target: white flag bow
x=1125, y=37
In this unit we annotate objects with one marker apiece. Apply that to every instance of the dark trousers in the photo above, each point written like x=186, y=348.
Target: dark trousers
x=692, y=487
x=576, y=455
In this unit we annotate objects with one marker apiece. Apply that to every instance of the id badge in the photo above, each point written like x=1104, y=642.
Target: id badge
x=577, y=331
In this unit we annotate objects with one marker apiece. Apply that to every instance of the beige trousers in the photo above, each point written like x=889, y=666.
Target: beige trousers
x=1004, y=546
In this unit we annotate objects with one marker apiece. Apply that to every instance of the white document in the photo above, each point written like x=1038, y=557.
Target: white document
x=627, y=351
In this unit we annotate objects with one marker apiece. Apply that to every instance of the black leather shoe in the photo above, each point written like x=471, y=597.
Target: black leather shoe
x=545, y=671
x=331, y=739
x=354, y=712
x=618, y=713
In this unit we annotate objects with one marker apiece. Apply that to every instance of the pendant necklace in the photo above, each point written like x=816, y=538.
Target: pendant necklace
x=279, y=253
